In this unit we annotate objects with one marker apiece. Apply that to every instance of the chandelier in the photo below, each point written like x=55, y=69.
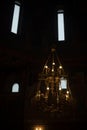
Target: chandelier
x=53, y=91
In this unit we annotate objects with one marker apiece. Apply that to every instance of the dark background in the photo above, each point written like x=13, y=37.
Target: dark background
x=22, y=56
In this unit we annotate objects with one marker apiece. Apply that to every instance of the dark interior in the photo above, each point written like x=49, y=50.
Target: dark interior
x=22, y=56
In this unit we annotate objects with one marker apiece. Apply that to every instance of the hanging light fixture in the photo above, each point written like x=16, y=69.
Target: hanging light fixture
x=53, y=89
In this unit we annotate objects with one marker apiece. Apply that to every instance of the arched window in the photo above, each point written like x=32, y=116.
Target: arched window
x=15, y=88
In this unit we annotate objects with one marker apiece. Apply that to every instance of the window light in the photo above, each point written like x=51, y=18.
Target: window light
x=15, y=20
x=60, y=20
x=63, y=84
x=15, y=88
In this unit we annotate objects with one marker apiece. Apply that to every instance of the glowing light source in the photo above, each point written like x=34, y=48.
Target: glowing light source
x=45, y=66
x=67, y=92
x=47, y=88
x=53, y=86
x=15, y=88
x=15, y=20
x=52, y=70
x=39, y=128
x=60, y=88
x=60, y=67
x=53, y=63
x=61, y=34
x=67, y=96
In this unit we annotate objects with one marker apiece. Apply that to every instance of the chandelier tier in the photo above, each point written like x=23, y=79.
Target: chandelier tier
x=53, y=91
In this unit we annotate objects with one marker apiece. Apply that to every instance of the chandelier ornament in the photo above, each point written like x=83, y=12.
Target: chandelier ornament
x=53, y=91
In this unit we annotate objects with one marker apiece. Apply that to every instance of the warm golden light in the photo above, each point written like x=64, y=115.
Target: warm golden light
x=53, y=63
x=47, y=88
x=38, y=94
x=53, y=87
x=38, y=128
x=52, y=70
x=46, y=66
x=60, y=88
x=67, y=92
x=67, y=96
x=60, y=67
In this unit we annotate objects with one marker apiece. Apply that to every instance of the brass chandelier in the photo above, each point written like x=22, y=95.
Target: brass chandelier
x=53, y=91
